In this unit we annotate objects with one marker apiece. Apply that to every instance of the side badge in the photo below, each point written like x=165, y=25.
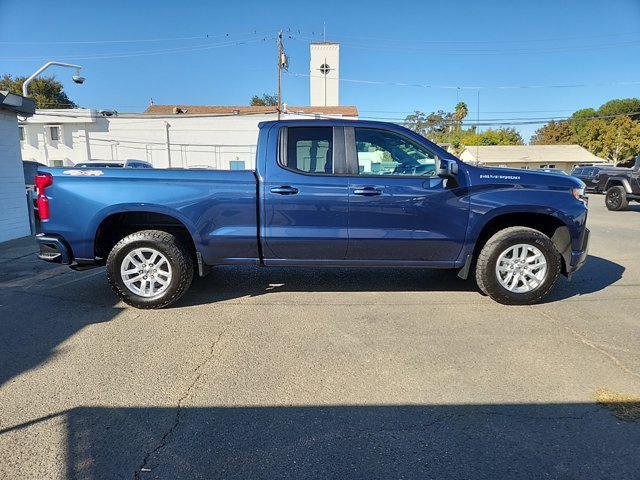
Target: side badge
x=83, y=173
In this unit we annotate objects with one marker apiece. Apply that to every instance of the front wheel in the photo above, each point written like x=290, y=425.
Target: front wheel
x=518, y=266
x=149, y=269
x=616, y=198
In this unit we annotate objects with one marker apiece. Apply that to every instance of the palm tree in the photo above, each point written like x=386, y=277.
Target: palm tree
x=460, y=113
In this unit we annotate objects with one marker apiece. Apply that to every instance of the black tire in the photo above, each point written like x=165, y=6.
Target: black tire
x=177, y=255
x=486, y=276
x=616, y=198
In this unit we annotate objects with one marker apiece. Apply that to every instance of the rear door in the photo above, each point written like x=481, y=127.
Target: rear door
x=306, y=198
x=400, y=211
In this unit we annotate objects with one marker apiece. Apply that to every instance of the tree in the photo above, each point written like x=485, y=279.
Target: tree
x=460, y=113
x=579, y=119
x=617, y=140
x=554, y=133
x=46, y=91
x=265, y=100
x=431, y=126
x=624, y=106
x=498, y=136
x=417, y=122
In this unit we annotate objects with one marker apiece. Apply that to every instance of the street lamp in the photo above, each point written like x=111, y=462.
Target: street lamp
x=76, y=78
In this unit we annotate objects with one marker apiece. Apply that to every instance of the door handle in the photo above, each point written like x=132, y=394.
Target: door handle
x=284, y=190
x=367, y=191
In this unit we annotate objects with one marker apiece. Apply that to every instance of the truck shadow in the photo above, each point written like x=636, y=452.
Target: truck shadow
x=231, y=282
x=42, y=305
x=417, y=441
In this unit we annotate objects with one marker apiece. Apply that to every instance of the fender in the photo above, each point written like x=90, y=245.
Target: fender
x=479, y=219
x=623, y=181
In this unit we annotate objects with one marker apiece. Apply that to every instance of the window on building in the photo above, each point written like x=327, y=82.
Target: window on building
x=54, y=133
x=550, y=165
x=22, y=133
x=57, y=163
x=381, y=152
x=236, y=165
x=309, y=149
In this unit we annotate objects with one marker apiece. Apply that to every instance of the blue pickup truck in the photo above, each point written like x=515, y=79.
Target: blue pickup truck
x=324, y=193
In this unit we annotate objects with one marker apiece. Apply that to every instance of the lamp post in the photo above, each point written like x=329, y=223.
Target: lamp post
x=76, y=78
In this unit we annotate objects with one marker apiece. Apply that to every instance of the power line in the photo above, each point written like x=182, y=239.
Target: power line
x=474, y=51
x=204, y=36
x=141, y=53
x=471, y=87
x=476, y=41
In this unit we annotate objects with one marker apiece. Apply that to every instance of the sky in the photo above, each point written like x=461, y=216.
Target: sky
x=396, y=57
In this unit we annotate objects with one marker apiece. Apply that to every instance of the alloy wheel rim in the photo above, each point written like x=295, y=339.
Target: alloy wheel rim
x=521, y=268
x=614, y=198
x=146, y=272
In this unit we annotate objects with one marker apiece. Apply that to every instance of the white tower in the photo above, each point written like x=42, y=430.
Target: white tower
x=325, y=73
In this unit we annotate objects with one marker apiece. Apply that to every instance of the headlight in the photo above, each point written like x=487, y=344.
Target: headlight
x=578, y=193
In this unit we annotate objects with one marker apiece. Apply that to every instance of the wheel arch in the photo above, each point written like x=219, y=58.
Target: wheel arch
x=117, y=223
x=618, y=181
x=553, y=226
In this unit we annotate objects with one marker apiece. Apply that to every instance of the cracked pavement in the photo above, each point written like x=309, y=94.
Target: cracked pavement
x=321, y=373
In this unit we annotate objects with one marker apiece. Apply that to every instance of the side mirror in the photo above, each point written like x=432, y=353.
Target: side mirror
x=447, y=169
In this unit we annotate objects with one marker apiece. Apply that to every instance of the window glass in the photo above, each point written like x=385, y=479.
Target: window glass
x=382, y=152
x=55, y=133
x=309, y=149
x=21, y=130
x=236, y=165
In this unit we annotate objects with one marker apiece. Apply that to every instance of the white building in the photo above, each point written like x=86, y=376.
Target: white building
x=199, y=136
x=563, y=157
x=14, y=216
x=324, y=68
x=182, y=136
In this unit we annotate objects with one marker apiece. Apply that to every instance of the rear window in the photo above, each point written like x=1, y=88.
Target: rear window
x=309, y=149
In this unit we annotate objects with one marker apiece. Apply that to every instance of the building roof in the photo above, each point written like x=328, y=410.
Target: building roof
x=347, y=111
x=17, y=103
x=529, y=153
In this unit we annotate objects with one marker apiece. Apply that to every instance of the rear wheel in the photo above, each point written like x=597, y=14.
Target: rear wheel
x=149, y=269
x=616, y=198
x=518, y=266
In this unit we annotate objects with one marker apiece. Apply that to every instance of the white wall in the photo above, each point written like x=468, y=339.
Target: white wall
x=210, y=141
x=14, y=216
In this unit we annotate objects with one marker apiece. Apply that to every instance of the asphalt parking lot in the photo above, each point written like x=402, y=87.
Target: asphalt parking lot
x=322, y=373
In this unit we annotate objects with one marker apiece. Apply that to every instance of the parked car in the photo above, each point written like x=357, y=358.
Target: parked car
x=554, y=170
x=111, y=164
x=593, y=176
x=622, y=187
x=315, y=200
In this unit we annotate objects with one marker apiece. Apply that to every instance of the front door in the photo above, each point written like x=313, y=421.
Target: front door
x=399, y=210
x=306, y=198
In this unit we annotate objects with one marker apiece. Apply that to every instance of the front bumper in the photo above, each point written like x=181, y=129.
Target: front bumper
x=579, y=257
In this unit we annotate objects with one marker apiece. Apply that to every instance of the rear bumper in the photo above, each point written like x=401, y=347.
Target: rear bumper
x=54, y=249
x=579, y=257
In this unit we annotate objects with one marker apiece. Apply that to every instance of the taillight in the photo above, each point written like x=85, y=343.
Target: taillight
x=42, y=181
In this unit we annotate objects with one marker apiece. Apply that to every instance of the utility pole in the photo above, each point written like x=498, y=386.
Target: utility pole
x=279, y=73
x=478, y=130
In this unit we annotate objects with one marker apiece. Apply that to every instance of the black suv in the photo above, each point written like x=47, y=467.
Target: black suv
x=621, y=186
x=591, y=176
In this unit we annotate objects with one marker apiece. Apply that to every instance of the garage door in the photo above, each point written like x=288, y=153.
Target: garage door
x=14, y=219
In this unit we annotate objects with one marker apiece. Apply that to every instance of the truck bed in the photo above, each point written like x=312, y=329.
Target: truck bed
x=219, y=208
